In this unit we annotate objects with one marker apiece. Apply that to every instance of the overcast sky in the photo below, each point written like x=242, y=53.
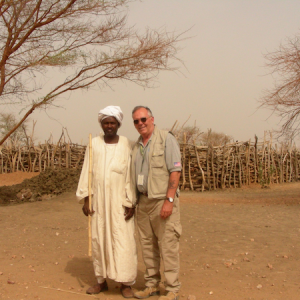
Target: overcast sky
x=223, y=78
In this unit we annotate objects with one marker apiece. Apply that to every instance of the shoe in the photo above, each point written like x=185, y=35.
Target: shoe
x=169, y=296
x=96, y=289
x=147, y=292
x=126, y=291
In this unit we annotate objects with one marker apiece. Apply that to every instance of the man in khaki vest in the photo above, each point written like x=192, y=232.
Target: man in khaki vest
x=155, y=170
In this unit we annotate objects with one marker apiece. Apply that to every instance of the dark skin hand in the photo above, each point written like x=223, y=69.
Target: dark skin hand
x=129, y=211
x=85, y=207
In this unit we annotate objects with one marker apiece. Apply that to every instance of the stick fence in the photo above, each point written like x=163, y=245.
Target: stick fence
x=203, y=167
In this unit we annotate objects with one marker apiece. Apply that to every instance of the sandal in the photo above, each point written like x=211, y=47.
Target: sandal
x=96, y=289
x=126, y=291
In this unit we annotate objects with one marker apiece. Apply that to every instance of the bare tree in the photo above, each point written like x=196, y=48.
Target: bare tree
x=284, y=98
x=88, y=38
x=192, y=134
x=20, y=136
x=213, y=138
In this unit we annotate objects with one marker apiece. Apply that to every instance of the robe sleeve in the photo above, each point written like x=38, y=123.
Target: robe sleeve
x=130, y=200
x=83, y=184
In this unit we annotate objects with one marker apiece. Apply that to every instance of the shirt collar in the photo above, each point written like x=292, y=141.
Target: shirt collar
x=141, y=141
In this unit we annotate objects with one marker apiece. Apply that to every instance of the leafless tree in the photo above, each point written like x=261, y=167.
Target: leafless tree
x=213, y=138
x=20, y=136
x=88, y=38
x=284, y=98
x=192, y=134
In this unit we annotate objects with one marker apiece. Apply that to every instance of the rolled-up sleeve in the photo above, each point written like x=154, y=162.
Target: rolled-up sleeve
x=172, y=154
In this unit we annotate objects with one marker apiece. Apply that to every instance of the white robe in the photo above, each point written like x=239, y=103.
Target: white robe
x=113, y=242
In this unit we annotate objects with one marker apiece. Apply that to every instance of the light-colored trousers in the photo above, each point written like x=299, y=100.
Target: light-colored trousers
x=159, y=239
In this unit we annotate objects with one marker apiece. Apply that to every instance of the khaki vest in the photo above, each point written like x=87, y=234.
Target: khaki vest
x=158, y=176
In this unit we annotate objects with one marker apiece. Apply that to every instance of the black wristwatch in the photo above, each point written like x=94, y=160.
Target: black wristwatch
x=170, y=199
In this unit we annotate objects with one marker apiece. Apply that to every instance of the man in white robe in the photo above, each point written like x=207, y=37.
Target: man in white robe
x=113, y=202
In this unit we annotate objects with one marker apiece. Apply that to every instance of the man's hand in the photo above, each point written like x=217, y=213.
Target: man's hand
x=166, y=209
x=85, y=207
x=129, y=212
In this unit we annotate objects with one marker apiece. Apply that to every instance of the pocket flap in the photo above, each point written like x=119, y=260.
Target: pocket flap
x=158, y=153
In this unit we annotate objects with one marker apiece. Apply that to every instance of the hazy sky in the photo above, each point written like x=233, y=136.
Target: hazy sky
x=221, y=84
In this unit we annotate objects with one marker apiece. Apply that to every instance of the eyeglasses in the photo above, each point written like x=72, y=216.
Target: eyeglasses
x=143, y=120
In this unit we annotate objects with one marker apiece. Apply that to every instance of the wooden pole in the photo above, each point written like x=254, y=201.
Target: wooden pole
x=183, y=162
x=223, y=173
x=90, y=194
x=202, y=173
x=190, y=175
x=213, y=168
x=207, y=168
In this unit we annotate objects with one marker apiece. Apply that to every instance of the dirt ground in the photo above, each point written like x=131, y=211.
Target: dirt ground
x=236, y=244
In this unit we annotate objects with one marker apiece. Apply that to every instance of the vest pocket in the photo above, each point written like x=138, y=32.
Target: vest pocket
x=159, y=182
x=157, y=159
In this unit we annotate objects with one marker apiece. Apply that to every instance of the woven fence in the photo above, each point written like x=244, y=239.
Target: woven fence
x=204, y=167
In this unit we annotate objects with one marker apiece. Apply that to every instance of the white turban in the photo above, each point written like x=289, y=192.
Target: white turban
x=111, y=111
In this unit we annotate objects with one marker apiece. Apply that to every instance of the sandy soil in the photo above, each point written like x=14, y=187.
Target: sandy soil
x=236, y=244
x=16, y=177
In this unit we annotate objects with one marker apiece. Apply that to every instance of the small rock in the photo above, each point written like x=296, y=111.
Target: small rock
x=24, y=194
x=20, y=196
x=10, y=282
x=259, y=286
x=27, y=194
x=191, y=297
